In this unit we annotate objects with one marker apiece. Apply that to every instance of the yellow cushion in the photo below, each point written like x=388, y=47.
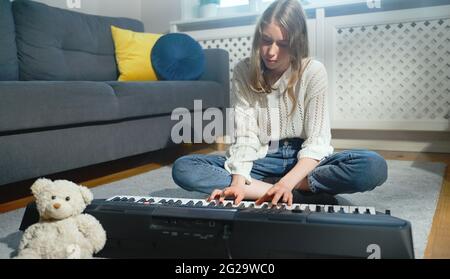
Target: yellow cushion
x=133, y=54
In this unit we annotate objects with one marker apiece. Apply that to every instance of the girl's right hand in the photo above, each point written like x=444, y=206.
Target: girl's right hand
x=235, y=191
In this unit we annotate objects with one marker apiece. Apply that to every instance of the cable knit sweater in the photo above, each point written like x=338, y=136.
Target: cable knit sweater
x=261, y=118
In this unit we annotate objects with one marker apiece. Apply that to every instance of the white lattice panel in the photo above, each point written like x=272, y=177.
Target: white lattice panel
x=394, y=71
x=390, y=70
x=238, y=48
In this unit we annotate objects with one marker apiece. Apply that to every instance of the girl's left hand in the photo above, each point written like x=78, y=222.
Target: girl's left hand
x=277, y=192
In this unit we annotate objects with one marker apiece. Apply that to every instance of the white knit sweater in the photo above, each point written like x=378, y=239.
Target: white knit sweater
x=260, y=118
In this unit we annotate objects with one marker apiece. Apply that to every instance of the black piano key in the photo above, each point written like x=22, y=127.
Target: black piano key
x=191, y=203
x=163, y=201
x=151, y=200
x=212, y=204
x=330, y=209
x=318, y=209
x=297, y=209
x=124, y=199
x=230, y=204
x=242, y=205
x=116, y=199
x=142, y=200
x=179, y=202
x=170, y=202
x=341, y=210
x=356, y=211
x=199, y=203
x=131, y=199
x=252, y=205
x=388, y=212
x=367, y=211
x=264, y=206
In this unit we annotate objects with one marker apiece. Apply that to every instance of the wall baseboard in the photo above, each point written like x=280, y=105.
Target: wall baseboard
x=393, y=145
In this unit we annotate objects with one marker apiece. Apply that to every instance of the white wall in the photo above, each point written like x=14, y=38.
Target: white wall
x=118, y=8
x=157, y=14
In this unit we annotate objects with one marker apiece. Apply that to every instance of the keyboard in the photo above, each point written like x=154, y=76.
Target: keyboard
x=163, y=227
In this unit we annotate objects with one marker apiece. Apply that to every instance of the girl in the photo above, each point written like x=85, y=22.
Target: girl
x=280, y=96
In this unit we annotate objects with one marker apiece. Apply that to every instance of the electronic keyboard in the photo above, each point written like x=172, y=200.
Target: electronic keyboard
x=161, y=227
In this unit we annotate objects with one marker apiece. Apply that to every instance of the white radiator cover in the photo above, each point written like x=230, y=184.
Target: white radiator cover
x=387, y=70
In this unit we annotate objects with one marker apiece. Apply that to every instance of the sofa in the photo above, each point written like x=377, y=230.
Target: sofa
x=61, y=106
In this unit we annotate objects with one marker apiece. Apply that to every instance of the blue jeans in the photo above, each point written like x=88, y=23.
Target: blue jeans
x=348, y=171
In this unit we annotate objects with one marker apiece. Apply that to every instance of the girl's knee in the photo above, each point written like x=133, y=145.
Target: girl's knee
x=181, y=171
x=374, y=170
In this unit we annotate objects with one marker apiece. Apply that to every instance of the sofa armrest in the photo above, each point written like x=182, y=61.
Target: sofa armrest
x=217, y=69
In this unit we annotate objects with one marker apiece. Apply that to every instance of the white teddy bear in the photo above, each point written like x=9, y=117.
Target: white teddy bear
x=62, y=232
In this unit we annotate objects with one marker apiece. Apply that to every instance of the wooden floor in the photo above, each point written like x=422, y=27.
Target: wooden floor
x=438, y=243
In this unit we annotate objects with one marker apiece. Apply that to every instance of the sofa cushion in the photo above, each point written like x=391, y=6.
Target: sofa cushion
x=132, y=54
x=46, y=104
x=9, y=67
x=139, y=99
x=58, y=44
x=177, y=56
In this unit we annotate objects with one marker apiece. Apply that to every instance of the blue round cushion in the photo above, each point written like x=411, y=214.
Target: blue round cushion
x=177, y=56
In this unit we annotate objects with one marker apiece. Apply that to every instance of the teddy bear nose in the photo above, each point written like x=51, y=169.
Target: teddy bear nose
x=56, y=205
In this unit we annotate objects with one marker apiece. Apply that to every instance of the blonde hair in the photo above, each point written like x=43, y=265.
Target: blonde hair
x=290, y=16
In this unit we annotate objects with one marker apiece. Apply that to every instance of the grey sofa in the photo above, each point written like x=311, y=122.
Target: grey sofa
x=61, y=107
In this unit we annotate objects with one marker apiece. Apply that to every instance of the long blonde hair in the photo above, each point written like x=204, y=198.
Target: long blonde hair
x=290, y=16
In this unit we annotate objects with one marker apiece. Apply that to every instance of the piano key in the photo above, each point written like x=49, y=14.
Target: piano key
x=372, y=211
x=362, y=210
x=199, y=203
x=179, y=202
x=341, y=209
x=189, y=203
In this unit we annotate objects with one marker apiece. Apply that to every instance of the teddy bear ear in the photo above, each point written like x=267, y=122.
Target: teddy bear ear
x=39, y=185
x=86, y=194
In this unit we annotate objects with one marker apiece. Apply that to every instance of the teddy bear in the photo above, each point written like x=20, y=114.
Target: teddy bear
x=63, y=231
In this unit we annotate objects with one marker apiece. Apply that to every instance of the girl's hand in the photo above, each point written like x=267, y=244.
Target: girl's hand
x=277, y=192
x=234, y=191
